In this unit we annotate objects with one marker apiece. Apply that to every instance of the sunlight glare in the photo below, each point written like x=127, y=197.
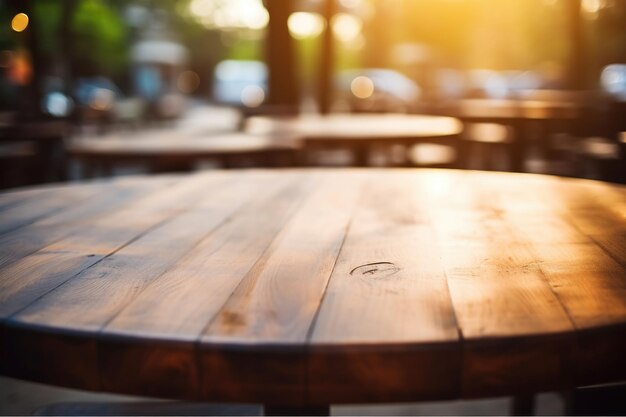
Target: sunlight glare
x=304, y=25
x=362, y=87
x=347, y=28
x=252, y=96
x=592, y=6
x=232, y=14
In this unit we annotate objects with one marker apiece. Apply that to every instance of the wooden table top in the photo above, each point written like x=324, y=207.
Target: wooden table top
x=522, y=109
x=180, y=145
x=358, y=128
x=315, y=286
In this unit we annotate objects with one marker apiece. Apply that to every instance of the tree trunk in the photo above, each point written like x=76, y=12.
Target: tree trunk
x=283, y=80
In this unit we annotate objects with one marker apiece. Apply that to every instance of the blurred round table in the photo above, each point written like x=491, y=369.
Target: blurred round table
x=518, y=114
x=179, y=152
x=306, y=288
x=360, y=133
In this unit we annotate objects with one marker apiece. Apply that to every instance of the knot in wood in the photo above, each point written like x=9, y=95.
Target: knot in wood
x=375, y=270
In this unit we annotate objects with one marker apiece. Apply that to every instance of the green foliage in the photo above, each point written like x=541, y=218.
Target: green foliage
x=245, y=49
x=101, y=38
x=47, y=18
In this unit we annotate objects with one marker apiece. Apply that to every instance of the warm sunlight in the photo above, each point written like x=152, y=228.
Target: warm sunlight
x=243, y=14
x=304, y=25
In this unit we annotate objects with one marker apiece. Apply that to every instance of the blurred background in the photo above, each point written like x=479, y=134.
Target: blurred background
x=92, y=88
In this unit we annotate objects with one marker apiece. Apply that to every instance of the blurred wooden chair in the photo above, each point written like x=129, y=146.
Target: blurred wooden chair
x=599, y=144
x=17, y=164
x=487, y=146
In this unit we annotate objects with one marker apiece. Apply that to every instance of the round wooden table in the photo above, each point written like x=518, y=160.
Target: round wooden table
x=178, y=151
x=305, y=288
x=360, y=133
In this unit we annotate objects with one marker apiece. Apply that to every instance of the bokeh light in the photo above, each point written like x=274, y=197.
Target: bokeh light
x=19, y=22
x=102, y=99
x=230, y=14
x=347, y=28
x=591, y=6
x=57, y=104
x=613, y=80
x=350, y=4
x=362, y=87
x=20, y=69
x=188, y=82
x=252, y=96
x=304, y=25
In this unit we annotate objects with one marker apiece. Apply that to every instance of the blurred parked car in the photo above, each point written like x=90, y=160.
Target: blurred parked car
x=100, y=101
x=158, y=64
x=240, y=83
x=613, y=81
x=95, y=99
x=377, y=90
x=97, y=93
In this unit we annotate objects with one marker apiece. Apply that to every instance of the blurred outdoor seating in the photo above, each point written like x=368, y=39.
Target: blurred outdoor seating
x=526, y=113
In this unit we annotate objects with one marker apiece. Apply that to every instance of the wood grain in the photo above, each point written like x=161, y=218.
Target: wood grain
x=305, y=287
x=33, y=276
x=101, y=291
x=388, y=284
x=589, y=281
x=180, y=303
x=24, y=241
x=29, y=210
x=273, y=306
x=500, y=294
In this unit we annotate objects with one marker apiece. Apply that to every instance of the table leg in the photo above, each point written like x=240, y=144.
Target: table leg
x=523, y=405
x=518, y=146
x=607, y=400
x=361, y=156
x=309, y=410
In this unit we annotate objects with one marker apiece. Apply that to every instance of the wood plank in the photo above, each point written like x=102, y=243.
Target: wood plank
x=264, y=324
x=21, y=196
x=549, y=228
x=29, y=194
x=508, y=314
x=600, y=220
x=589, y=281
x=614, y=245
x=574, y=258
x=86, y=302
x=33, y=276
x=29, y=239
x=210, y=272
x=69, y=356
x=591, y=286
x=580, y=194
x=389, y=287
x=32, y=194
x=179, y=304
x=48, y=203
x=593, y=298
x=312, y=238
